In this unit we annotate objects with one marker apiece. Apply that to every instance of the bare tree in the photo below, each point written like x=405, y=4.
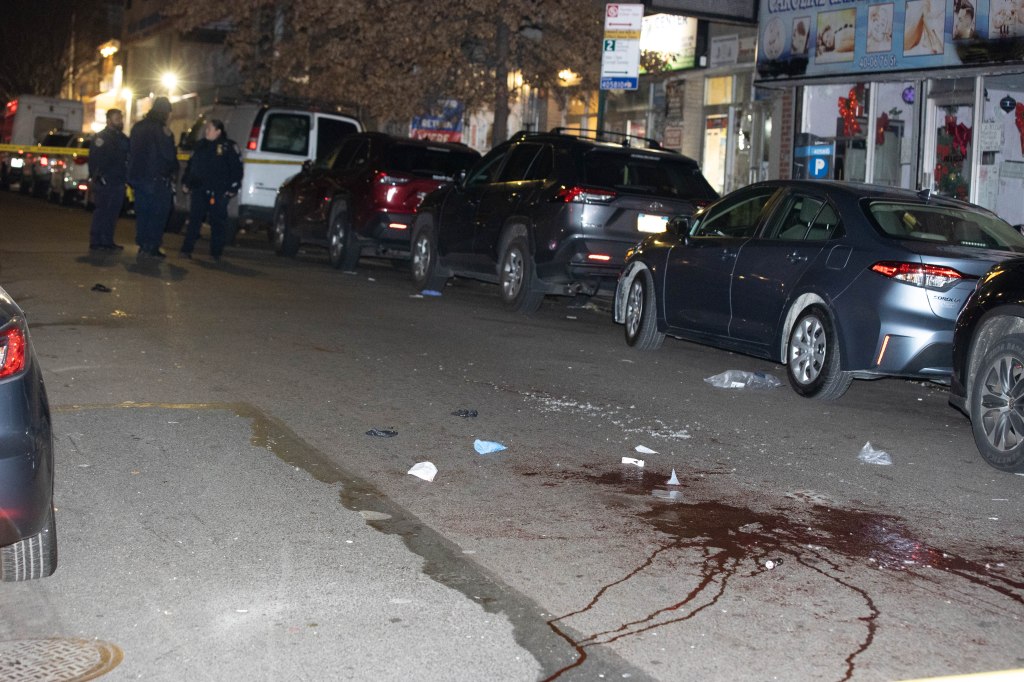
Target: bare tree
x=396, y=58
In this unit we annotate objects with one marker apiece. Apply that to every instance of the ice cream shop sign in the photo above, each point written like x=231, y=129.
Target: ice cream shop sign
x=813, y=38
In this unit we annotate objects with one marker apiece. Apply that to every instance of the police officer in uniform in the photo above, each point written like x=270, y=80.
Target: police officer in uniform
x=108, y=171
x=213, y=175
x=152, y=169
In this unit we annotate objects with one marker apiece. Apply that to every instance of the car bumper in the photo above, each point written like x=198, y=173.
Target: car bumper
x=391, y=229
x=26, y=462
x=583, y=262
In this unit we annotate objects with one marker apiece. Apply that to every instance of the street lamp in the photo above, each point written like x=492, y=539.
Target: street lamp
x=169, y=80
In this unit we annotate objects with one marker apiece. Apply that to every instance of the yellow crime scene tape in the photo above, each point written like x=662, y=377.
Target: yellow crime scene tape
x=77, y=151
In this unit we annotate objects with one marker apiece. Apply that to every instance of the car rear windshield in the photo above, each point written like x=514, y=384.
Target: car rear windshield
x=641, y=173
x=945, y=225
x=432, y=162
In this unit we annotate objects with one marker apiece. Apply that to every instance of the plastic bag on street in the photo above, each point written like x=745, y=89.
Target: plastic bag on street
x=486, y=447
x=869, y=455
x=424, y=470
x=735, y=378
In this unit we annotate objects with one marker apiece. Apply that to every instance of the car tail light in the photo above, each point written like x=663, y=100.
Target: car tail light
x=384, y=179
x=81, y=160
x=701, y=203
x=12, y=351
x=585, y=195
x=919, y=274
x=600, y=257
x=254, y=136
x=398, y=226
x=44, y=161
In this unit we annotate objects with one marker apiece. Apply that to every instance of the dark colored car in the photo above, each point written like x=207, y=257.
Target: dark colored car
x=28, y=536
x=553, y=213
x=69, y=173
x=988, y=365
x=363, y=197
x=35, y=175
x=835, y=280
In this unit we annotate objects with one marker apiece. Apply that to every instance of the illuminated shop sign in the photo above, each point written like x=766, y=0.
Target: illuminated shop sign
x=808, y=38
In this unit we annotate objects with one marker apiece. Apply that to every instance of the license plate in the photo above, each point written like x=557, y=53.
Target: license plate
x=651, y=223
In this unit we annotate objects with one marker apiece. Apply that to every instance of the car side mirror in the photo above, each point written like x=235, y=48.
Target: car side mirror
x=680, y=225
x=1019, y=228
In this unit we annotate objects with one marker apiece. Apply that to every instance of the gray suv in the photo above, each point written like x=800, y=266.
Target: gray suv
x=553, y=213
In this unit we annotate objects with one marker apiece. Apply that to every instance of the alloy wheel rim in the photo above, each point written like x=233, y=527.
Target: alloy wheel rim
x=634, y=308
x=807, y=348
x=337, y=239
x=1002, y=403
x=512, y=274
x=421, y=258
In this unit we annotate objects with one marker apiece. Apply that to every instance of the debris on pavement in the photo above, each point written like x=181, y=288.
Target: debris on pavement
x=103, y=288
x=735, y=378
x=632, y=460
x=486, y=447
x=382, y=433
x=869, y=455
x=424, y=470
x=673, y=480
x=644, y=450
x=772, y=563
x=465, y=413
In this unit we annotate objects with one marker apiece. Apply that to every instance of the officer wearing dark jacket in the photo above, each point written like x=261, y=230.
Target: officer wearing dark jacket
x=108, y=171
x=213, y=175
x=152, y=168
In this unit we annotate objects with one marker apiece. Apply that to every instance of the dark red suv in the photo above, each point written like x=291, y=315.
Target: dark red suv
x=363, y=197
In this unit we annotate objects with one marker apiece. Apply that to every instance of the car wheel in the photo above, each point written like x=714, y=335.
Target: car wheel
x=641, y=316
x=997, y=405
x=342, y=252
x=519, y=289
x=286, y=242
x=812, y=357
x=424, y=259
x=31, y=558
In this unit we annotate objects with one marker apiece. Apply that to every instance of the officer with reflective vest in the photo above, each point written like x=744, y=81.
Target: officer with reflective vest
x=108, y=171
x=213, y=175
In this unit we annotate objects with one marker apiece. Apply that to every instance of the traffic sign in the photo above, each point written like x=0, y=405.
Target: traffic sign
x=620, y=56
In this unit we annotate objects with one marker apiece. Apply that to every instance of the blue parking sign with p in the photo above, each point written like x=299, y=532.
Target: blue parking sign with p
x=819, y=167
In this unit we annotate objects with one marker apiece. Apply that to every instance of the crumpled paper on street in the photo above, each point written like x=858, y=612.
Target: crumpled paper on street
x=424, y=470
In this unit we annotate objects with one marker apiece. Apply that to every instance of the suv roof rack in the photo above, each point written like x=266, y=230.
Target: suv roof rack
x=607, y=136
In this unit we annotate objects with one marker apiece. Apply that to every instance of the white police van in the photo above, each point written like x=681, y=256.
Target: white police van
x=275, y=140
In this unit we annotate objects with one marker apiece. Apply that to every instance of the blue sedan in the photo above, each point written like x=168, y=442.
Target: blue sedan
x=835, y=280
x=28, y=536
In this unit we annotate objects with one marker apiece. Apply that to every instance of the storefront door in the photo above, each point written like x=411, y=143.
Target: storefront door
x=949, y=139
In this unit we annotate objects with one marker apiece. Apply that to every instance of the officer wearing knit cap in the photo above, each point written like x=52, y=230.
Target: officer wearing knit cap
x=152, y=169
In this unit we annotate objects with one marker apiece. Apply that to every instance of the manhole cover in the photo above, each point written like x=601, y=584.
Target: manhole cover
x=57, y=659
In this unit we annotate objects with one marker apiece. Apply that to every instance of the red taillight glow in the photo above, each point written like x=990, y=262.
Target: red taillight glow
x=603, y=258
x=585, y=195
x=398, y=226
x=701, y=203
x=81, y=160
x=254, y=136
x=12, y=351
x=918, y=274
x=44, y=161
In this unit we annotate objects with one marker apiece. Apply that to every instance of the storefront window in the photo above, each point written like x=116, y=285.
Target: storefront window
x=950, y=136
x=831, y=142
x=893, y=134
x=1000, y=176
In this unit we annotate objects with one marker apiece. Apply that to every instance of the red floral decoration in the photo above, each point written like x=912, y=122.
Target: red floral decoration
x=880, y=127
x=1020, y=124
x=850, y=109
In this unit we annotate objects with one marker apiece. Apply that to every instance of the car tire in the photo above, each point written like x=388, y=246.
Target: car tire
x=33, y=557
x=424, y=260
x=813, y=357
x=285, y=241
x=342, y=248
x=517, y=278
x=641, y=314
x=997, y=411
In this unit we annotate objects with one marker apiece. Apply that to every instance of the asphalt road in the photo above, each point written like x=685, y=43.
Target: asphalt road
x=223, y=515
